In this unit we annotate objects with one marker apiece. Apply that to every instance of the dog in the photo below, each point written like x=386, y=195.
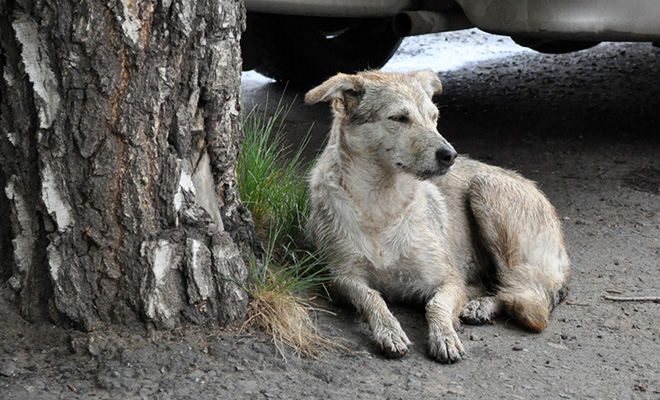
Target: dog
x=405, y=218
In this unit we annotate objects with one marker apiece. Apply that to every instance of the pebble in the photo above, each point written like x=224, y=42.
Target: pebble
x=8, y=369
x=325, y=376
x=414, y=384
x=94, y=350
x=196, y=376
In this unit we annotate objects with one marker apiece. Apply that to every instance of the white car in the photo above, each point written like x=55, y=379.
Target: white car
x=306, y=41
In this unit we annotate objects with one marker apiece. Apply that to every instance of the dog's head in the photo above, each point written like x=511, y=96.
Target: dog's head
x=391, y=117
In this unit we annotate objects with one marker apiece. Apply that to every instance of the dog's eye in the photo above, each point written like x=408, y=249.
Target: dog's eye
x=399, y=118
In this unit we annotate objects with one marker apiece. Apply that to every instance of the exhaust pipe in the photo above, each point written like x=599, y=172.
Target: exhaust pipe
x=411, y=23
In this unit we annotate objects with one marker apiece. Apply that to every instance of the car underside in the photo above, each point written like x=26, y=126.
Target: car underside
x=305, y=41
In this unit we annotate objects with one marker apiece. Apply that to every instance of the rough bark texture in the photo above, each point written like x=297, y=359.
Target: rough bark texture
x=119, y=133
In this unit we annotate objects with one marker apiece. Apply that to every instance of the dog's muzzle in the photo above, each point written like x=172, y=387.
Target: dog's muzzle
x=446, y=156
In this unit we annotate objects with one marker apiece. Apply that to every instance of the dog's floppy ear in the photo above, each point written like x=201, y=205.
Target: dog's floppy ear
x=429, y=81
x=344, y=90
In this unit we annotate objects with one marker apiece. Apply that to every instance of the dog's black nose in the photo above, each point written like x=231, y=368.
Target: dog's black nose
x=446, y=155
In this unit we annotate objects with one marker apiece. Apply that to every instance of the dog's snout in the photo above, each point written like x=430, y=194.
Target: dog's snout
x=446, y=155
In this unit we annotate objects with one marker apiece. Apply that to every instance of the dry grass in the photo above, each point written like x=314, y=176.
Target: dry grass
x=288, y=319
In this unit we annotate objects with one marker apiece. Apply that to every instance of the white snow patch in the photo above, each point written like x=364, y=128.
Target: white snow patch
x=449, y=51
x=252, y=80
x=52, y=198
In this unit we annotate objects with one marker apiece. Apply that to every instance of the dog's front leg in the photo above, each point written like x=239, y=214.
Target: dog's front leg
x=441, y=314
x=385, y=327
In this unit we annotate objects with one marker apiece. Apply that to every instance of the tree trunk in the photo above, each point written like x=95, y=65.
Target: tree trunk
x=120, y=127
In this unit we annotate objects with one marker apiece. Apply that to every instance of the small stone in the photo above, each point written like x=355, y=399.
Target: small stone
x=94, y=349
x=414, y=384
x=196, y=376
x=474, y=337
x=518, y=348
x=8, y=369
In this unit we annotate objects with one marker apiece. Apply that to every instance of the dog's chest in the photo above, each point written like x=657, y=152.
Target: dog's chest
x=406, y=260
x=400, y=235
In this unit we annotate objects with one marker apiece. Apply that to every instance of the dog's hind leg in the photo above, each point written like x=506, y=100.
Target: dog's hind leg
x=482, y=307
x=521, y=231
x=385, y=327
x=481, y=310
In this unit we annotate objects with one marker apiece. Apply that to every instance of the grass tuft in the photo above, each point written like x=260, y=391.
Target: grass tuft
x=278, y=307
x=272, y=180
x=272, y=184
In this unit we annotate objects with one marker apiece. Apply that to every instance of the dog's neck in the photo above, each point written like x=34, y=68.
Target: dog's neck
x=368, y=178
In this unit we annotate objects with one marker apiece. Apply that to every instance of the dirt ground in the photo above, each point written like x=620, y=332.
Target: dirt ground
x=585, y=126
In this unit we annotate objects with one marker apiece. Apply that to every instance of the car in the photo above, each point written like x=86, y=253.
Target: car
x=306, y=41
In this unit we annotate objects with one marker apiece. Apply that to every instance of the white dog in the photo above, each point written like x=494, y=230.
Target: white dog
x=406, y=219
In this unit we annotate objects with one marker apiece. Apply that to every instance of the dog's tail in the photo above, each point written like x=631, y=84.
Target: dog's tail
x=527, y=307
x=521, y=231
x=531, y=305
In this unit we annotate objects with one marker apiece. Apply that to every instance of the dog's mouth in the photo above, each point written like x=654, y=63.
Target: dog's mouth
x=428, y=174
x=425, y=174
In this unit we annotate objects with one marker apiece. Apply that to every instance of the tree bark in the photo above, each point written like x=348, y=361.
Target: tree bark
x=120, y=128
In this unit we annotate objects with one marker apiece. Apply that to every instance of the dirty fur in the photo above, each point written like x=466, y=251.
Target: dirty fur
x=406, y=219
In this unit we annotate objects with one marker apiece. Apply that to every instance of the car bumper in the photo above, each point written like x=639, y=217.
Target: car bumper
x=593, y=20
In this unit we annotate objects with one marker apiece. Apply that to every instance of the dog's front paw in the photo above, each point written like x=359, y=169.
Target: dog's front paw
x=392, y=341
x=479, y=311
x=445, y=347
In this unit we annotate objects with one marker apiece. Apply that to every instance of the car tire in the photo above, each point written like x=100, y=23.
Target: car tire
x=307, y=50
